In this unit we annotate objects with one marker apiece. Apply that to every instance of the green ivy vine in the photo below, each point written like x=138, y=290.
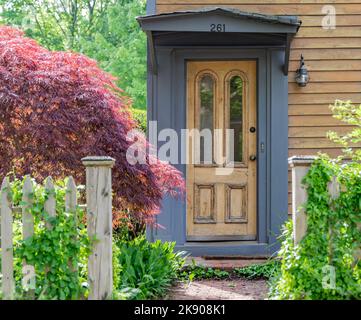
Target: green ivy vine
x=59, y=255
x=332, y=240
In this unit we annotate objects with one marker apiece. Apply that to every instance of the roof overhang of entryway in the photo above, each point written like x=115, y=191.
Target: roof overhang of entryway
x=249, y=29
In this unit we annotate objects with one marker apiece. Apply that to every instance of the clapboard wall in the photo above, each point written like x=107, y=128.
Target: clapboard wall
x=333, y=58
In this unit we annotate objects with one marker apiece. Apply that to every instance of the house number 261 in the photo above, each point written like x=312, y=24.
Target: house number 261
x=218, y=27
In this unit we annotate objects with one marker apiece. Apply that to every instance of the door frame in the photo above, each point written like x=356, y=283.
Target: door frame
x=182, y=56
x=167, y=101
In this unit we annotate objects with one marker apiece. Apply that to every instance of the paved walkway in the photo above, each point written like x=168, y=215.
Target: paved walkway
x=236, y=289
x=229, y=289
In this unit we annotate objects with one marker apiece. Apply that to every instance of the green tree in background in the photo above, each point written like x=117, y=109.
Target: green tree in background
x=105, y=30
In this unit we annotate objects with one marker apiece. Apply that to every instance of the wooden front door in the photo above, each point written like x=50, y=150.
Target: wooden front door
x=221, y=174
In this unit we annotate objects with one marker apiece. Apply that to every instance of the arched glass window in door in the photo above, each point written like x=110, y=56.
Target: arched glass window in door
x=206, y=117
x=236, y=86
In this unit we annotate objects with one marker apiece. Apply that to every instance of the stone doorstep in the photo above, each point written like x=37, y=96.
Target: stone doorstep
x=225, y=263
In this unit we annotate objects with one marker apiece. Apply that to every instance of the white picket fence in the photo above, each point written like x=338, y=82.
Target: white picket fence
x=99, y=224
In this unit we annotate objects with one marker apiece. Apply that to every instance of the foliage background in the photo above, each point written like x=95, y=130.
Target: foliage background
x=105, y=30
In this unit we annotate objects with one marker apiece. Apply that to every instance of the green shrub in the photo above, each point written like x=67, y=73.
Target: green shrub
x=328, y=250
x=140, y=116
x=148, y=267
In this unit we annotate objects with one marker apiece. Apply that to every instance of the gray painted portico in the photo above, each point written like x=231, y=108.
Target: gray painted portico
x=174, y=39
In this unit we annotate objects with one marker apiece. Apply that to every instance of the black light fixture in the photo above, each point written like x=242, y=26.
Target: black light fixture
x=302, y=76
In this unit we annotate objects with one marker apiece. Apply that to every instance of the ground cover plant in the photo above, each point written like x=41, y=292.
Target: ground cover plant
x=265, y=270
x=198, y=272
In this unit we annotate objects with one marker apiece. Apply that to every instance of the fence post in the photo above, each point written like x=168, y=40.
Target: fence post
x=28, y=232
x=300, y=167
x=50, y=204
x=70, y=207
x=7, y=267
x=99, y=223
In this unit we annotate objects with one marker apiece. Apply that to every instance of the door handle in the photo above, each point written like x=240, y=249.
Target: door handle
x=253, y=157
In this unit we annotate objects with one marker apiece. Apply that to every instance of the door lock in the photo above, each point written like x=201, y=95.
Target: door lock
x=253, y=158
x=252, y=129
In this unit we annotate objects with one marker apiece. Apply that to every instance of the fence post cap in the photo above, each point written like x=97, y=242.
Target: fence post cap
x=98, y=161
x=299, y=161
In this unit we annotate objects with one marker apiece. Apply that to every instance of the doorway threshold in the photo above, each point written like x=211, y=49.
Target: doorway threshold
x=227, y=248
x=225, y=264
x=220, y=243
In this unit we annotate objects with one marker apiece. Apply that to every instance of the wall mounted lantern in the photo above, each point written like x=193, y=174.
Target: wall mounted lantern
x=302, y=76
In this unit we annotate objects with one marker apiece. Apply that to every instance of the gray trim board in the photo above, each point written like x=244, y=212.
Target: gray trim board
x=269, y=20
x=152, y=55
x=151, y=7
x=228, y=20
x=202, y=23
x=227, y=249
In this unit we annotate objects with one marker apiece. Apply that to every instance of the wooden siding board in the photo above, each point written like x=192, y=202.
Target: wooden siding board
x=351, y=87
x=314, y=121
x=315, y=132
x=322, y=98
x=312, y=143
x=233, y=2
x=325, y=43
x=326, y=54
x=334, y=152
x=341, y=20
x=309, y=110
x=339, y=32
x=328, y=65
x=330, y=76
x=278, y=8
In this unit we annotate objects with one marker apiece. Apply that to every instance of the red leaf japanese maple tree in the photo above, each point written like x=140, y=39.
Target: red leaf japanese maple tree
x=57, y=107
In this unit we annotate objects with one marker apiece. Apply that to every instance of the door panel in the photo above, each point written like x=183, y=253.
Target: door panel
x=204, y=211
x=236, y=203
x=221, y=178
